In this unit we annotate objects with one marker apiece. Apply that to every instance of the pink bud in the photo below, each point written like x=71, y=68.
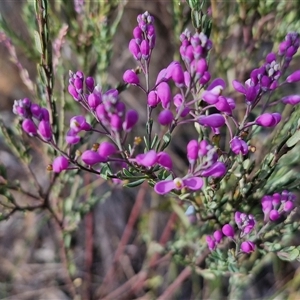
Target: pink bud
x=164, y=94
x=94, y=100
x=152, y=99
x=228, y=231
x=274, y=215
x=131, y=77
x=90, y=157
x=90, y=83
x=29, y=127
x=116, y=122
x=59, y=164
x=45, y=130
x=106, y=149
x=135, y=49
x=293, y=77
x=192, y=151
x=130, y=120
x=210, y=243
x=165, y=117
x=145, y=49
x=247, y=246
x=268, y=120
x=218, y=235
x=214, y=120
x=292, y=99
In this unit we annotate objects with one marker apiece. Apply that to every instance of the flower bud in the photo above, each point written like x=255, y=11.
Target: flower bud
x=192, y=151
x=218, y=235
x=214, y=120
x=90, y=83
x=90, y=157
x=152, y=99
x=210, y=243
x=274, y=215
x=131, y=77
x=292, y=99
x=135, y=49
x=106, y=149
x=247, y=246
x=145, y=49
x=29, y=127
x=45, y=130
x=293, y=77
x=165, y=117
x=130, y=120
x=268, y=120
x=218, y=169
x=94, y=100
x=228, y=230
x=238, y=146
x=164, y=94
x=59, y=164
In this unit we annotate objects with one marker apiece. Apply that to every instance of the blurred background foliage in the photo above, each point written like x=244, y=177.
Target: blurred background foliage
x=78, y=237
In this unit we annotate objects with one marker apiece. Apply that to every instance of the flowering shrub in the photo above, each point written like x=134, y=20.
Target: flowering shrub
x=222, y=184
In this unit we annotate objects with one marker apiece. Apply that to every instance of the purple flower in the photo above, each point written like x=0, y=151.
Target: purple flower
x=225, y=105
x=73, y=92
x=116, y=122
x=165, y=117
x=192, y=151
x=288, y=206
x=72, y=137
x=238, y=146
x=250, y=91
x=130, y=120
x=106, y=149
x=247, y=246
x=228, y=231
x=29, y=127
x=218, y=169
x=45, y=130
x=177, y=74
x=268, y=119
x=291, y=99
x=78, y=123
x=90, y=83
x=135, y=49
x=147, y=159
x=94, y=99
x=211, y=243
x=131, y=77
x=145, y=49
x=36, y=111
x=244, y=222
x=164, y=94
x=164, y=160
x=274, y=215
x=59, y=164
x=153, y=100
x=293, y=77
x=218, y=235
x=214, y=120
x=165, y=186
x=90, y=157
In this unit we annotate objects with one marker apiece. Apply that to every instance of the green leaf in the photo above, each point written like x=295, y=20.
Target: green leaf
x=134, y=183
x=288, y=254
x=38, y=43
x=294, y=139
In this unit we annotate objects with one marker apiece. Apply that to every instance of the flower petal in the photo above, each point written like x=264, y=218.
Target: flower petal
x=164, y=187
x=193, y=183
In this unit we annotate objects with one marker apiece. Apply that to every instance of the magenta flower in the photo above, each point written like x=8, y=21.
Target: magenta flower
x=164, y=160
x=268, y=119
x=274, y=215
x=238, y=146
x=164, y=94
x=291, y=99
x=106, y=149
x=293, y=77
x=45, y=130
x=135, y=49
x=225, y=105
x=94, y=99
x=147, y=159
x=211, y=243
x=90, y=83
x=192, y=151
x=165, y=117
x=153, y=100
x=145, y=49
x=36, y=111
x=218, y=235
x=59, y=164
x=72, y=137
x=218, y=169
x=165, y=186
x=228, y=230
x=29, y=127
x=250, y=91
x=244, y=222
x=78, y=123
x=90, y=157
x=213, y=120
x=116, y=122
x=247, y=246
x=177, y=74
x=131, y=77
x=130, y=120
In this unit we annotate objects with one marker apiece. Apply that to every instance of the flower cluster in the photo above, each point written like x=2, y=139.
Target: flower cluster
x=245, y=224
x=36, y=121
x=277, y=205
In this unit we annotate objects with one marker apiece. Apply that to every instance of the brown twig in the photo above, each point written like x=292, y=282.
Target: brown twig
x=126, y=236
